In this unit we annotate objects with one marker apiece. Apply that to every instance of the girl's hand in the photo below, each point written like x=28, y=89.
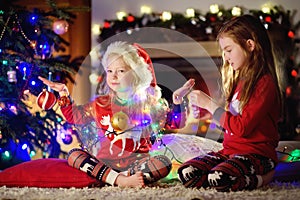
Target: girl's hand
x=202, y=100
x=183, y=91
x=59, y=87
x=195, y=111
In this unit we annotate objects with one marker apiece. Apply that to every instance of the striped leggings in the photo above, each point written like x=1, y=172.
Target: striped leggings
x=153, y=168
x=224, y=173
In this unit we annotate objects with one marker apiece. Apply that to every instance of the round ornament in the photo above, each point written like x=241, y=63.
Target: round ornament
x=46, y=100
x=12, y=76
x=67, y=139
x=120, y=121
x=60, y=27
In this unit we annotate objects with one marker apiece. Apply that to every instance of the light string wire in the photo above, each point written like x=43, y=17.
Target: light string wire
x=289, y=154
x=32, y=44
x=158, y=138
x=4, y=28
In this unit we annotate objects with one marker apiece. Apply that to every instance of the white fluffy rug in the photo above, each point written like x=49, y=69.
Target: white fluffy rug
x=274, y=191
x=182, y=147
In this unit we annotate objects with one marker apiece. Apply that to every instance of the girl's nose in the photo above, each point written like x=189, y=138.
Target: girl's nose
x=226, y=57
x=114, y=75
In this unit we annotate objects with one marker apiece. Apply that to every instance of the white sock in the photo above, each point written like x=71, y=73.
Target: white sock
x=111, y=177
x=259, y=181
x=125, y=173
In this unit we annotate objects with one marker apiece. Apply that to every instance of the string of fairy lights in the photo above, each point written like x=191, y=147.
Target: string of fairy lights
x=27, y=40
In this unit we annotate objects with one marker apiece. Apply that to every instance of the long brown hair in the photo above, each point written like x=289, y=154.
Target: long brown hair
x=260, y=60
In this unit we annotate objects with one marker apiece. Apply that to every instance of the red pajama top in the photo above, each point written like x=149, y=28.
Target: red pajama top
x=116, y=150
x=254, y=129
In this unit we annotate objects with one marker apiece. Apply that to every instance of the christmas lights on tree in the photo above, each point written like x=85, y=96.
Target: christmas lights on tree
x=28, y=39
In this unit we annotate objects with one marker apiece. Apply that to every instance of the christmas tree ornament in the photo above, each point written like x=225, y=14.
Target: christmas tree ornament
x=120, y=121
x=44, y=49
x=106, y=24
x=12, y=76
x=46, y=100
x=67, y=138
x=16, y=27
x=64, y=101
x=60, y=26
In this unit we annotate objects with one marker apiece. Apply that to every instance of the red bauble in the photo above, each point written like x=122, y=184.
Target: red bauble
x=46, y=100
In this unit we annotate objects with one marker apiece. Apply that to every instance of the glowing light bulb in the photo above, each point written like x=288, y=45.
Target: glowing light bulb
x=96, y=29
x=6, y=155
x=236, y=11
x=266, y=8
x=121, y=15
x=190, y=12
x=93, y=78
x=24, y=146
x=166, y=16
x=32, y=153
x=146, y=10
x=214, y=8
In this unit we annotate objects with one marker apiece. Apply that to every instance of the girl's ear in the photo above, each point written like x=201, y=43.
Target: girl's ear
x=250, y=44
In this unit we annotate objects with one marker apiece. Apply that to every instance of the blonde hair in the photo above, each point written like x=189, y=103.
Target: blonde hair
x=131, y=57
x=260, y=61
x=145, y=95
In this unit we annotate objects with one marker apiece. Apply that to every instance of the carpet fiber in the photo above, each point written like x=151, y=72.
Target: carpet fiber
x=175, y=190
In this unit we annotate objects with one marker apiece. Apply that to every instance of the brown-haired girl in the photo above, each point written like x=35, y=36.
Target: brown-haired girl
x=251, y=89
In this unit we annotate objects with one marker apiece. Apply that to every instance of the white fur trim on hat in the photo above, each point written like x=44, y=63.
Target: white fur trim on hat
x=132, y=59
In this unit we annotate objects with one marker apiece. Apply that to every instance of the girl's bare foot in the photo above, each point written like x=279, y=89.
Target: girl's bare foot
x=135, y=180
x=268, y=177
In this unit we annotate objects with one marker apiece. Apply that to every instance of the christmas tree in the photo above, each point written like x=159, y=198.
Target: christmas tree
x=30, y=43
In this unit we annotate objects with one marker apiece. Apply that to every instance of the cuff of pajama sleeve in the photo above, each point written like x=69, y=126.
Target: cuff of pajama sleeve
x=111, y=177
x=218, y=114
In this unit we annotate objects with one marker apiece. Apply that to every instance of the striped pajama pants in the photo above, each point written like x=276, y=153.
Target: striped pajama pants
x=224, y=173
x=153, y=168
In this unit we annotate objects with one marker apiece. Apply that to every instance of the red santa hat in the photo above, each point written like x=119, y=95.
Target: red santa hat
x=142, y=53
x=135, y=57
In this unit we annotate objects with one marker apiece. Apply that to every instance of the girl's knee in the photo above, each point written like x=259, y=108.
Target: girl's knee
x=159, y=167
x=192, y=176
x=220, y=180
x=153, y=168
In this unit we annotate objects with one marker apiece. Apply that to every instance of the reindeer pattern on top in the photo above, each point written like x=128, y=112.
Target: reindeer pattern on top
x=133, y=134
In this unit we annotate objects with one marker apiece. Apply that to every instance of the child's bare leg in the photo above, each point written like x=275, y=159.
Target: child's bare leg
x=268, y=177
x=135, y=180
x=265, y=179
